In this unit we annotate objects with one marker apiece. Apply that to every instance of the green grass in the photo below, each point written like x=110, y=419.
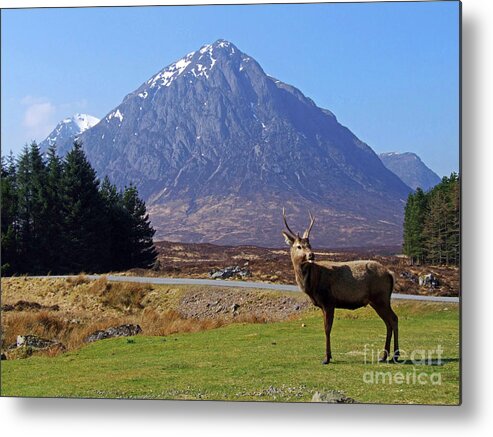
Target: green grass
x=275, y=361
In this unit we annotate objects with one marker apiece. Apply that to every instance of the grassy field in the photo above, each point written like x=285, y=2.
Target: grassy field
x=264, y=362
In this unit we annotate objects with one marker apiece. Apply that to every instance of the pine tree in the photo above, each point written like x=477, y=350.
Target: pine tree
x=413, y=226
x=24, y=208
x=441, y=231
x=451, y=215
x=54, y=215
x=31, y=179
x=8, y=216
x=432, y=223
x=56, y=218
x=119, y=224
x=435, y=228
x=408, y=227
x=86, y=243
x=454, y=233
x=142, y=252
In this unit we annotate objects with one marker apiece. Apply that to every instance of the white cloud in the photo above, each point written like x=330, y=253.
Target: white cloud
x=38, y=117
x=38, y=114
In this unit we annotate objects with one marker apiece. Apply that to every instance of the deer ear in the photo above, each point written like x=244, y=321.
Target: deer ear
x=289, y=240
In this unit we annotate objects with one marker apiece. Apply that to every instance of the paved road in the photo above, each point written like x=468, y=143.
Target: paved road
x=245, y=284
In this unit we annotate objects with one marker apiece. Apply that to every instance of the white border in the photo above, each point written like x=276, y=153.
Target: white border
x=68, y=3
x=134, y=418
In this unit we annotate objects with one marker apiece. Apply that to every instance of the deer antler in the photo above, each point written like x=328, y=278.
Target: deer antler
x=312, y=221
x=286, y=223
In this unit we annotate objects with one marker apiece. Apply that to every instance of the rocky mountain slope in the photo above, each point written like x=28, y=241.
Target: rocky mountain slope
x=409, y=167
x=217, y=148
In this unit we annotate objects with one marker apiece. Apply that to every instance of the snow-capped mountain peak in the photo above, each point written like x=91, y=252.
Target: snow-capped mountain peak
x=195, y=64
x=219, y=45
x=69, y=129
x=82, y=121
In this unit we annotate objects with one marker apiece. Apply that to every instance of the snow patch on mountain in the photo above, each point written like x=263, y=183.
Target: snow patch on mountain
x=207, y=52
x=170, y=73
x=115, y=114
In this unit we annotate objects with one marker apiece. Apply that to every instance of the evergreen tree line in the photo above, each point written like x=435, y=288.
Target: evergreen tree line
x=432, y=224
x=57, y=217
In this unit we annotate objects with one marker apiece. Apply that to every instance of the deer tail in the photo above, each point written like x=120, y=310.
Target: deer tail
x=392, y=281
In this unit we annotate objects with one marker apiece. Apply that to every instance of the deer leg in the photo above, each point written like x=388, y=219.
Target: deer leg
x=394, y=320
x=328, y=320
x=384, y=313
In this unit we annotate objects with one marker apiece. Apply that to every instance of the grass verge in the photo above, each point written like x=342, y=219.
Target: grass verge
x=263, y=362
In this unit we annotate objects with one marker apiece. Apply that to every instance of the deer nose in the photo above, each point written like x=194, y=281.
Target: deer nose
x=311, y=256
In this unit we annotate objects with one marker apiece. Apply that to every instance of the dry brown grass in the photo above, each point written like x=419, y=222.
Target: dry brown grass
x=71, y=335
x=125, y=295
x=98, y=287
x=169, y=322
x=88, y=305
x=78, y=280
x=43, y=324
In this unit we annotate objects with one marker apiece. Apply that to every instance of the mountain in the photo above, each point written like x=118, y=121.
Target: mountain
x=217, y=147
x=69, y=129
x=409, y=167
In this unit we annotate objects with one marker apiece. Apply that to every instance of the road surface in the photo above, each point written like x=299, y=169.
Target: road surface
x=244, y=284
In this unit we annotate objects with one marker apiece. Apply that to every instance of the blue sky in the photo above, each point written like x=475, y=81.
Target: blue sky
x=389, y=71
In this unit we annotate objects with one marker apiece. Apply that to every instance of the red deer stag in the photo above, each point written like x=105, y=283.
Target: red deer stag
x=350, y=285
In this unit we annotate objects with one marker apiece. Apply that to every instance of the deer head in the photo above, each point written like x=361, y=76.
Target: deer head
x=301, y=251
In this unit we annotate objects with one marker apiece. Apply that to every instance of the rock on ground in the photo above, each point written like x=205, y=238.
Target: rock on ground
x=332, y=397
x=115, y=331
x=26, y=345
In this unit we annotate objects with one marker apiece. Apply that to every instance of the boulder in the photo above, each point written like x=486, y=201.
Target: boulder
x=216, y=275
x=26, y=345
x=230, y=272
x=115, y=331
x=429, y=280
x=34, y=342
x=409, y=276
x=332, y=397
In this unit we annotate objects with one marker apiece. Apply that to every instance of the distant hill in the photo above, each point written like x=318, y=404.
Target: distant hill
x=217, y=147
x=409, y=167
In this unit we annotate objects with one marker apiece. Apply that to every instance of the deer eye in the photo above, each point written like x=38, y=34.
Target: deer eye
x=299, y=247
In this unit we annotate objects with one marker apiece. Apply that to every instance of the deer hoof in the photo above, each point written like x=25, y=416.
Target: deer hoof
x=383, y=359
x=326, y=361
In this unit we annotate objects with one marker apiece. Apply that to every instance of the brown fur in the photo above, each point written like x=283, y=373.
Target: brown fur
x=349, y=285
